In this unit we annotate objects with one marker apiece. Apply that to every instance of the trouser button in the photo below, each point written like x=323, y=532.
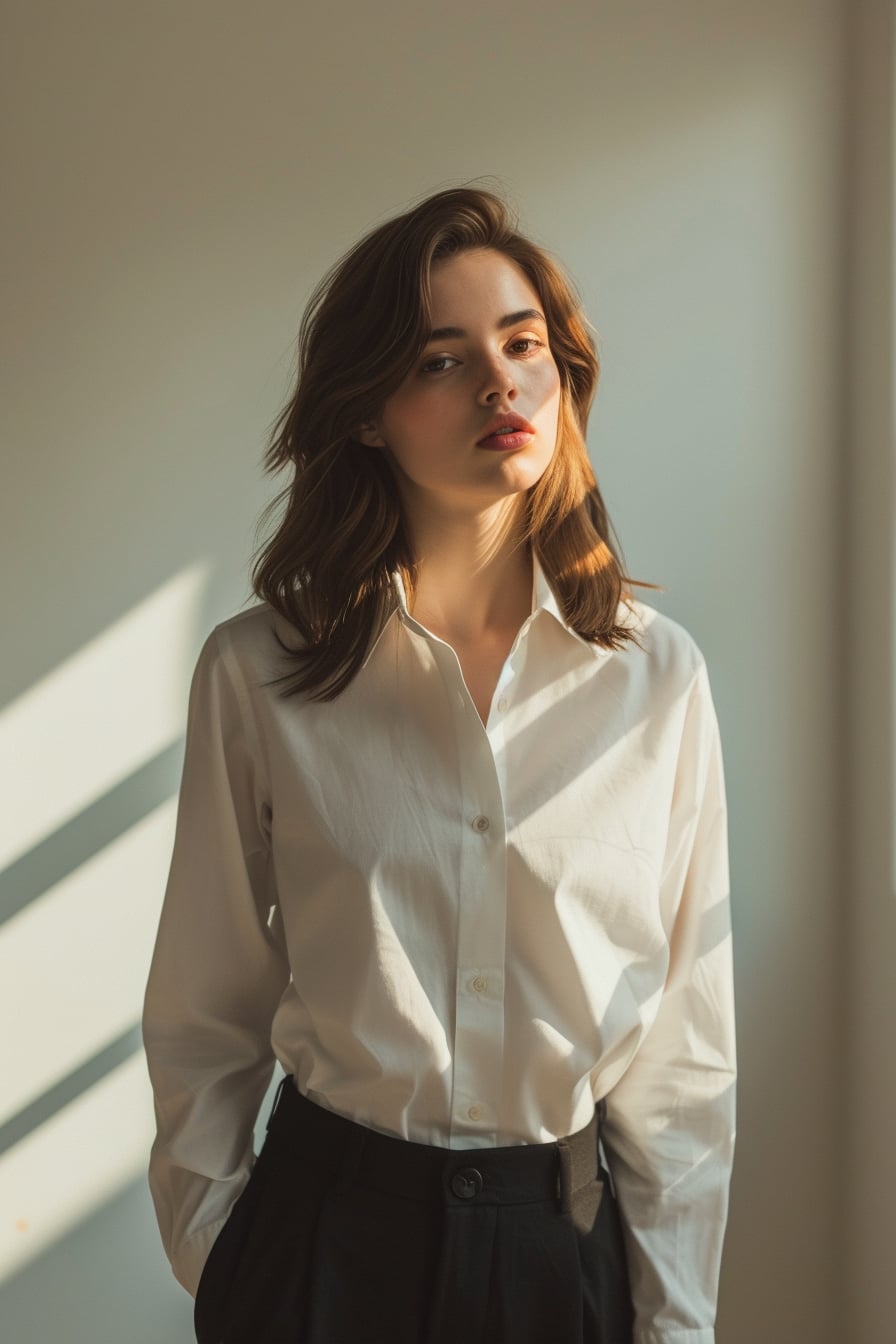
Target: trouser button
x=466, y=1182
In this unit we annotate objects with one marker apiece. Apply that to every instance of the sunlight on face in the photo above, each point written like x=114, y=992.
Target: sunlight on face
x=432, y=424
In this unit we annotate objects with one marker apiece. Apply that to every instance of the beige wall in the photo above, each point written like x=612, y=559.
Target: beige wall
x=181, y=175
x=865, y=1096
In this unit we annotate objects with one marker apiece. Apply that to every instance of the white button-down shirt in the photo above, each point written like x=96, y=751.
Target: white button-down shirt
x=458, y=933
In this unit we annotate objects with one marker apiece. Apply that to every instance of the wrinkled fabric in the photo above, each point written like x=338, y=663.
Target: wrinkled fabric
x=459, y=934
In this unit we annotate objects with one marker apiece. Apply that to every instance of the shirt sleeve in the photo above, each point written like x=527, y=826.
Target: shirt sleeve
x=216, y=975
x=670, y=1121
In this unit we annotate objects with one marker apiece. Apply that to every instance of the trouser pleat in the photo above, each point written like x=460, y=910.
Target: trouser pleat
x=345, y=1235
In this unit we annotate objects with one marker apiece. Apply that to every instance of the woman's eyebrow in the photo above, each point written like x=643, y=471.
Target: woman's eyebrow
x=509, y=320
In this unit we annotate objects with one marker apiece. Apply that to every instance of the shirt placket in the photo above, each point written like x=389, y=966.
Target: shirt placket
x=481, y=917
x=482, y=897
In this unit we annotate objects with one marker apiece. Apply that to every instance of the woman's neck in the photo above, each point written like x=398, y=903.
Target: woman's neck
x=469, y=588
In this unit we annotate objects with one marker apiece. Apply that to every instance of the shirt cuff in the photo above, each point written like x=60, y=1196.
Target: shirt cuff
x=189, y=1260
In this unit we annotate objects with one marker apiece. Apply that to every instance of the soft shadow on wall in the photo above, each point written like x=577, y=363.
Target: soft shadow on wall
x=84, y=859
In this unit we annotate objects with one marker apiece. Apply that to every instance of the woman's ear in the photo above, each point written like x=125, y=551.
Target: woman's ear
x=369, y=435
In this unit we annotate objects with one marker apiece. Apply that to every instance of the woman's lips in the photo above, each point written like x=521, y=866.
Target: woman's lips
x=504, y=442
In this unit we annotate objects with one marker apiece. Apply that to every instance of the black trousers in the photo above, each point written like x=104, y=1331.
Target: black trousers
x=345, y=1235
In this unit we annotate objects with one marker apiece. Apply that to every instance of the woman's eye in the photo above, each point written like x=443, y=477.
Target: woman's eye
x=428, y=368
x=441, y=360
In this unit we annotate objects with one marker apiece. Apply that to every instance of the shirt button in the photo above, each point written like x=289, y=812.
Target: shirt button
x=480, y=983
x=474, y=1112
x=503, y=703
x=481, y=823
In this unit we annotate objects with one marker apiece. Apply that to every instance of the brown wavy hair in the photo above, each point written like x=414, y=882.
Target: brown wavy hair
x=327, y=568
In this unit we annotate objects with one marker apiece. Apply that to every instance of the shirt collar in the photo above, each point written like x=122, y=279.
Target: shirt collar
x=543, y=599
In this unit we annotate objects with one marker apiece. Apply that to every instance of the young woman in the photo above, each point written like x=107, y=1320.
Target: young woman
x=451, y=848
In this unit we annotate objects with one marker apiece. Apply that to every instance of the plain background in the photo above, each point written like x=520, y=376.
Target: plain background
x=717, y=178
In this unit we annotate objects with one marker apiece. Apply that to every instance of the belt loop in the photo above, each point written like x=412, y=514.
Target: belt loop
x=287, y=1077
x=601, y=1146
x=564, y=1176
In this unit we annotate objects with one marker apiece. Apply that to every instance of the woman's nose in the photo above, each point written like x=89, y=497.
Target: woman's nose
x=500, y=378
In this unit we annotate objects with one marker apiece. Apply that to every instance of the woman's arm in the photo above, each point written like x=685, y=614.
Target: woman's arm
x=671, y=1118
x=217, y=972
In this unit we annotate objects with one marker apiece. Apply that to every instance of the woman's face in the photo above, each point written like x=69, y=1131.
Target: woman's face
x=432, y=423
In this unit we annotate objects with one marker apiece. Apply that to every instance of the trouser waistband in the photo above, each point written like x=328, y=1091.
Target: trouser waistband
x=512, y=1174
